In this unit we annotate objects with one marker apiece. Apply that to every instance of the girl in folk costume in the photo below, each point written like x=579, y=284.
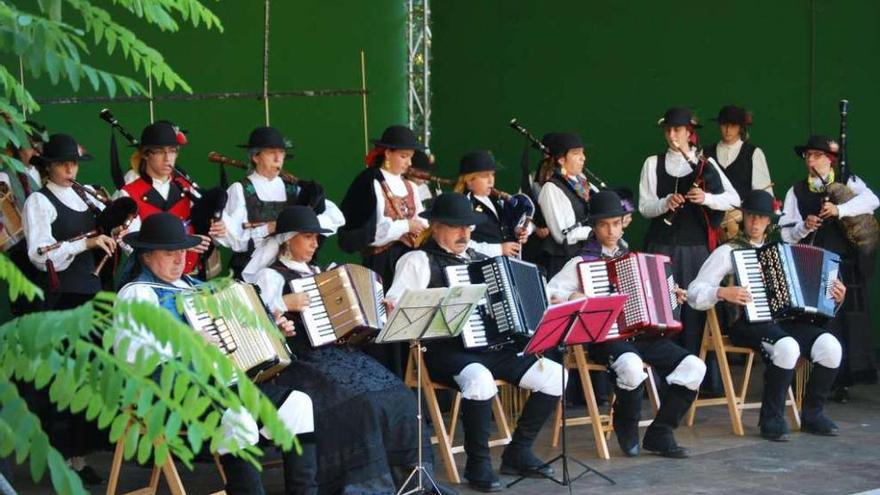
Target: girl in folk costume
x=476, y=178
x=160, y=189
x=808, y=217
x=59, y=215
x=667, y=185
x=381, y=206
x=781, y=343
x=160, y=260
x=742, y=162
x=564, y=201
x=366, y=423
x=262, y=195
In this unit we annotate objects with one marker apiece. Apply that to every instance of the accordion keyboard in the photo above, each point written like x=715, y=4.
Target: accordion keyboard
x=315, y=317
x=474, y=331
x=748, y=268
x=595, y=282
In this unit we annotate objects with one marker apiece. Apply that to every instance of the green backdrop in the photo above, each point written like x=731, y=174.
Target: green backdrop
x=609, y=69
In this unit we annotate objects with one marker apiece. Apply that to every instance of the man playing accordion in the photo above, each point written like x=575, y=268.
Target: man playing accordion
x=781, y=343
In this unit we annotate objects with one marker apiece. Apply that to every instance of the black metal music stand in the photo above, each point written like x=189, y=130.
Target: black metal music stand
x=573, y=323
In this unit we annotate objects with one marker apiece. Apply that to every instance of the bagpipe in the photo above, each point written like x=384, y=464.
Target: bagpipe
x=309, y=192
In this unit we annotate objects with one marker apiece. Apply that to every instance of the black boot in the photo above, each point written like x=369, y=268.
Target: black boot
x=815, y=398
x=772, y=416
x=301, y=471
x=627, y=413
x=476, y=419
x=518, y=458
x=659, y=438
x=242, y=478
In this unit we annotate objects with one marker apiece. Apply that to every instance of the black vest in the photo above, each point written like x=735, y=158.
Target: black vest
x=581, y=210
x=175, y=194
x=492, y=230
x=77, y=278
x=689, y=225
x=439, y=259
x=830, y=235
x=739, y=172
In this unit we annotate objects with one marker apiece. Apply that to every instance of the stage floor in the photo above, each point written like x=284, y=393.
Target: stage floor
x=721, y=463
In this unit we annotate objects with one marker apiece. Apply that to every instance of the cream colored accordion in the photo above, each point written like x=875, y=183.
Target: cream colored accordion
x=345, y=305
x=254, y=344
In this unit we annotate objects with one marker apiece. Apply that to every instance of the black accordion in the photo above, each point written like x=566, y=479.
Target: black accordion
x=787, y=280
x=514, y=304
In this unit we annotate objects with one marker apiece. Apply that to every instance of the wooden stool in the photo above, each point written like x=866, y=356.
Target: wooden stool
x=169, y=470
x=576, y=359
x=714, y=341
x=444, y=438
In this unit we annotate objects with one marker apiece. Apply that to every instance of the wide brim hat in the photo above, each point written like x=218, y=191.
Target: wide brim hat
x=759, y=202
x=477, y=161
x=559, y=143
x=399, y=137
x=452, y=209
x=605, y=204
x=732, y=114
x=60, y=148
x=818, y=142
x=163, y=231
x=267, y=137
x=162, y=133
x=299, y=219
x=678, y=116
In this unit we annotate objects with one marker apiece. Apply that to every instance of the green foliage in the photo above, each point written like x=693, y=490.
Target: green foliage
x=19, y=285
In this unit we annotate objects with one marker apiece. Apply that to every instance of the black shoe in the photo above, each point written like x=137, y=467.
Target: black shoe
x=775, y=436
x=627, y=437
x=820, y=425
x=89, y=477
x=666, y=449
x=524, y=463
x=840, y=395
x=482, y=478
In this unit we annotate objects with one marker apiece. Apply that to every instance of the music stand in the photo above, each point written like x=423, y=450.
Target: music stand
x=428, y=314
x=573, y=323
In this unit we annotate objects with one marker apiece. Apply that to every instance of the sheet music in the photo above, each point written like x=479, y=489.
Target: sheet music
x=431, y=313
x=455, y=310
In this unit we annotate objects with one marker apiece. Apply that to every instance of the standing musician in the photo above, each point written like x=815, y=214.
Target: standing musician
x=474, y=372
x=476, y=178
x=159, y=188
x=363, y=451
x=261, y=196
x=564, y=201
x=669, y=194
x=423, y=164
x=161, y=247
x=781, y=343
x=742, y=162
x=682, y=370
x=808, y=217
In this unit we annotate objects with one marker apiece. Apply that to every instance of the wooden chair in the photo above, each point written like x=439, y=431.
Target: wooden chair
x=714, y=341
x=444, y=437
x=168, y=470
x=576, y=359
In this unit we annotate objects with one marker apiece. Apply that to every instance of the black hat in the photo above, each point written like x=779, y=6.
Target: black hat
x=819, y=143
x=162, y=133
x=60, y=148
x=477, y=161
x=627, y=198
x=162, y=231
x=452, y=209
x=399, y=137
x=421, y=161
x=266, y=137
x=678, y=116
x=300, y=219
x=732, y=114
x=605, y=204
x=758, y=202
x=560, y=142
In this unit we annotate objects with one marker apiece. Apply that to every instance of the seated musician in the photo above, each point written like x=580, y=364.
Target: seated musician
x=682, y=370
x=260, y=197
x=160, y=250
x=780, y=343
x=160, y=189
x=808, y=218
x=476, y=178
x=474, y=371
x=365, y=417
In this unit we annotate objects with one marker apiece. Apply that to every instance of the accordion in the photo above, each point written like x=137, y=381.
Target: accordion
x=253, y=343
x=345, y=305
x=514, y=304
x=646, y=279
x=786, y=280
